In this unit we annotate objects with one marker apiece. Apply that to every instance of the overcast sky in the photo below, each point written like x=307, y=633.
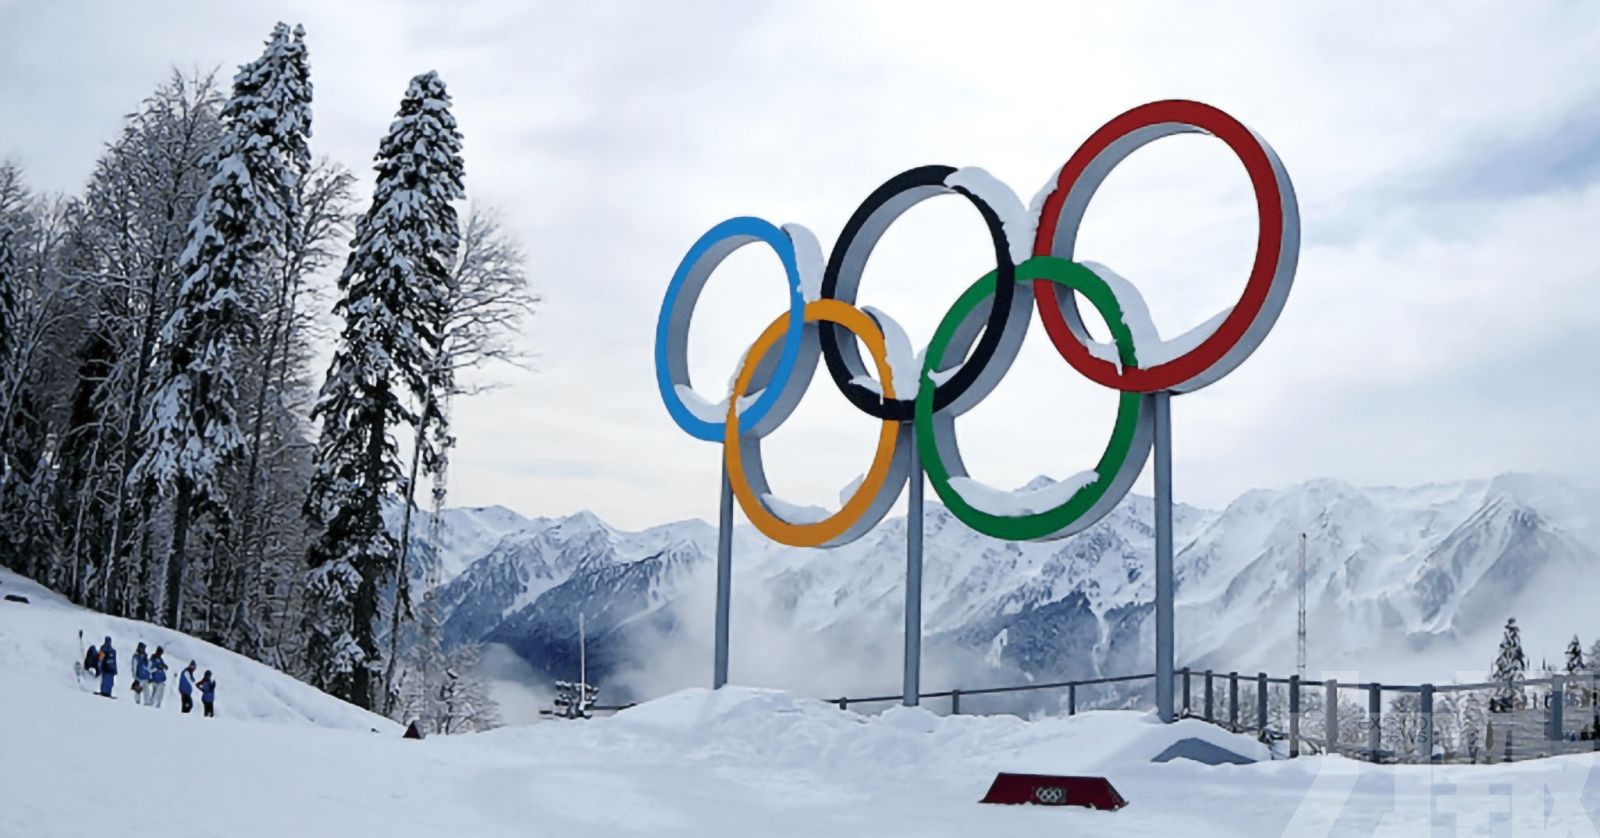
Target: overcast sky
x=1443, y=321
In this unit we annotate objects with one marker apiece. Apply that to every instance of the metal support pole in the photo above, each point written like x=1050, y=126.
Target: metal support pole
x=1164, y=579
x=1233, y=700
x=1558, y=700
x=912, y=689
x=719, y=671
x=1594, y=702
x=1186, y=692
x=1210, y=716
x=1374, y=718
x=1426, y=739
x=955, y=702
x=1330, y=715
x=1294, y=716
x=1261, y=702
x=1072, y=699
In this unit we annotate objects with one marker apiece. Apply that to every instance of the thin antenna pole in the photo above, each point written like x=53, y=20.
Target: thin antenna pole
x=1300, y=652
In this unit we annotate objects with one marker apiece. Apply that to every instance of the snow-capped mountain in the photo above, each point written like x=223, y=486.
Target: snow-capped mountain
x=1409, y=583
x=459, y=538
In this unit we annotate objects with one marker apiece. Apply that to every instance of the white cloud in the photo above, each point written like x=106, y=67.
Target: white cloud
x=1433, y=293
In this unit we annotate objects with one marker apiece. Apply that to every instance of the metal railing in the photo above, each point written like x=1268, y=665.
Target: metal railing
x=955, y=696
x=1420, y=722
x=1564, y=717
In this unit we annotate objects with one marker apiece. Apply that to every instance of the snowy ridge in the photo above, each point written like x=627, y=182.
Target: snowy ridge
x=1399, y=578
x=1038, y=496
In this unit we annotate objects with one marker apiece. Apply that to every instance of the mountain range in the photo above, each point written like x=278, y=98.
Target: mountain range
x=1402, y=583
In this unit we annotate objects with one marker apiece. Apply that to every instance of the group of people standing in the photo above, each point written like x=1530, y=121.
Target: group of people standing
x=150, y=677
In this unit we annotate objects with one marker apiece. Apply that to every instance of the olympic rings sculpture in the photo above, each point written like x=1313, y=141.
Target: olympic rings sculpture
x=977, y=340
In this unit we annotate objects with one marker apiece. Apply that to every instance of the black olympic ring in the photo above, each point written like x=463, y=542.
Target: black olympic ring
x=842, y=280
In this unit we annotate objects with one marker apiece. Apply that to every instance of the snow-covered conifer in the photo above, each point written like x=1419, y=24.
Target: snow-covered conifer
x=191, y=428
x=394, y=292
x=1509, y=667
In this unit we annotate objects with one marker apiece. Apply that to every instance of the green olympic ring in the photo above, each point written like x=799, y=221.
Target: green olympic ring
x=1125, y=452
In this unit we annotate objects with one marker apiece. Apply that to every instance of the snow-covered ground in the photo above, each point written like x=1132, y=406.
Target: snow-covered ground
x=283, y=760
x=39, y=644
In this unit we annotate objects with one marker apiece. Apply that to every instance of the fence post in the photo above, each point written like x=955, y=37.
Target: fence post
x=1233, y=700
x=1261, y=702
x=1374, y=718
x=1072, y=699
x=1330, y=714
x=955, y=702
x=1210, y=716
x=1294, y=716
x=1427, y=723
x=1558, y=700
x=1186, y=691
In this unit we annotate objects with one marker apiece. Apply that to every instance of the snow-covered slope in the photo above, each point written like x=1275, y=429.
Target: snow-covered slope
x=39, y=644
x=1403, y=583
x=730, y=764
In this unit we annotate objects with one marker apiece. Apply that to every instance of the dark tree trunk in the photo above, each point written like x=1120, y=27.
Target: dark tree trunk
x=365, y=607
x=173, y=607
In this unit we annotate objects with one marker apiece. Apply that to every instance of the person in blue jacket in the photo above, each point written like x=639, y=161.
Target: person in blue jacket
x=141, y=672
x=208, y=693
x=186, y=687
x=158, y=679
x=108, y=668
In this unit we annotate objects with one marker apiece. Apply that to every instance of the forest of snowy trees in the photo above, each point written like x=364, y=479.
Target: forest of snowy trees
x=167, y=451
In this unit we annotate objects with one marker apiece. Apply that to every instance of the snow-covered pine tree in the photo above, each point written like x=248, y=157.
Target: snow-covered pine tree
x=130, y=231
x=1575, y=662
x=191, y=429
x=287, y=92
x=395, y=287
x=1509, y=667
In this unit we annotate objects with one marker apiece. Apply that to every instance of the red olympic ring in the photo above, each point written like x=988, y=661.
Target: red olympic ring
x=1277, y=247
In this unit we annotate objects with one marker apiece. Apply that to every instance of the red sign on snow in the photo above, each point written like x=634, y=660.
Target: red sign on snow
x=1052, y=790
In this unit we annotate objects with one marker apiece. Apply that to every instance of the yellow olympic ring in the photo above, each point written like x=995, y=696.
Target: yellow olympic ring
x=817, y=534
